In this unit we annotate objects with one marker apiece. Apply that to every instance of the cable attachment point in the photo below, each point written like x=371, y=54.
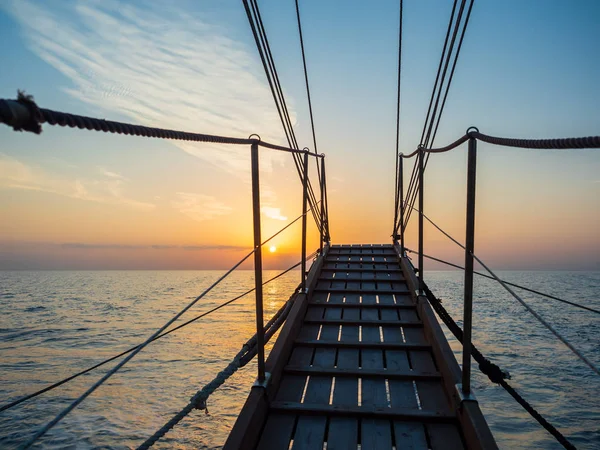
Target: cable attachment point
x=494, y=373
x=472, y=130
x=254, y=134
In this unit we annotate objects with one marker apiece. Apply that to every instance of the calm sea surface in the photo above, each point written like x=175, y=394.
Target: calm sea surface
x=53, y=324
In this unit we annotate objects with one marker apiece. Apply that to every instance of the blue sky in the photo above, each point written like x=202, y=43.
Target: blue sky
x=527, y=69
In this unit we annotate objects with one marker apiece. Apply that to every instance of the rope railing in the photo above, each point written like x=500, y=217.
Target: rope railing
x=546, y=144
x=23, y=114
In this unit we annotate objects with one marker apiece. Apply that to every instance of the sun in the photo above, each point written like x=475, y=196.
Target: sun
x=272, y=249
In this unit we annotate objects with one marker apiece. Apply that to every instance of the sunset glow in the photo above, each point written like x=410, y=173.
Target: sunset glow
x=78, y=199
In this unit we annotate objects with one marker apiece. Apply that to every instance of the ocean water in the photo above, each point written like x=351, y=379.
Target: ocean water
x=53, y=324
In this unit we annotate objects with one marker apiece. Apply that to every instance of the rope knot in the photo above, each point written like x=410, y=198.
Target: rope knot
x=35, y=116
x=494, y=373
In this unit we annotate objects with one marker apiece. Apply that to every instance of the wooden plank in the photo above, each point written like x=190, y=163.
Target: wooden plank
x=319, y=387
x=310, y=433
x=402, y=392
x=395, y=270
x=362, y=372
x=350, y=303
x=355, y=289
x=410, y=436
x=392, y=316
x=336, y=299
x=315, y=312
x=415, y=336
x=343, y=433
x=408, y=313
x=366, y=345
x=277, y=432
x=351, y=314
x=373, y=390
x=332, y=314
x=444, y=437
x=375, y=434
x=394, y=321
x=418, y=415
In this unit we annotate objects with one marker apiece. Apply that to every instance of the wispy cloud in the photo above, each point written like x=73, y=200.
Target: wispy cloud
x=90, y=246
x=108, y=188
x=199, y=207
x=160, y=66
x=272, y=213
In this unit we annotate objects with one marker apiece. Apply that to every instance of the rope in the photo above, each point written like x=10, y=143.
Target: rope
x=557, y=144
x=264, y=50
x=244, y=356
x=114, y=370
x=398, y=187
x=72, y=377
x=577, y=305
x=560, y=337
x=312, y=122
x=493, y=372
x=83, y=372
x=460, y=42
x=554, y=144
x=134, y=352
x=24, y=114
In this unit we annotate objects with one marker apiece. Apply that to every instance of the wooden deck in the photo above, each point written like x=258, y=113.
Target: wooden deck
x=360, y=371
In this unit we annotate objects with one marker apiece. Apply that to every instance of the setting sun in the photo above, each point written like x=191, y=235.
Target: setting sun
x=272, y=249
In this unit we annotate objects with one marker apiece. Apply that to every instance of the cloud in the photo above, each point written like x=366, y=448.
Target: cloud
x=161, y=66
x=272, y=213
x=200, y=207
x=83, y=246
x=15, y=174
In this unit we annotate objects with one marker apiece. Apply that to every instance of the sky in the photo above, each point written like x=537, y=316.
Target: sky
x=72, y=199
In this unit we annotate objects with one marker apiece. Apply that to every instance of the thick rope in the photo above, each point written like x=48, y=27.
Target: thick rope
x=24, y=114
x=556, y=144
x=493, y=372
x=244, y=356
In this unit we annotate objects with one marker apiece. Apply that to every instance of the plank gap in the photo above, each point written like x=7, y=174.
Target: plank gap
x=304, y=390
x=414, y=383
x=332, y=390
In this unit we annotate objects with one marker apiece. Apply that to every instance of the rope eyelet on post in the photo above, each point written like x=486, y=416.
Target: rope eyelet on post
x=471, y=130
x=254, y=134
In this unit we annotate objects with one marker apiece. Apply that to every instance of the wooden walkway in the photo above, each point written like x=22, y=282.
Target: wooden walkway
x=361, y=373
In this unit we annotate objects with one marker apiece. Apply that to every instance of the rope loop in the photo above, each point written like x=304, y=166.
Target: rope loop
x=471, y=130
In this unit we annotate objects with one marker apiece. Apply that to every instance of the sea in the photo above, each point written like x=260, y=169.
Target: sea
x=56, y=323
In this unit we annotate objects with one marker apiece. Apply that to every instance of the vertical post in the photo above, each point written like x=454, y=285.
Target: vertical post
x=322, y=184
x=327, y=235
x=469, y=247
x=304, y=214
x=421, y=201
x=401, y=188
x=260, y=331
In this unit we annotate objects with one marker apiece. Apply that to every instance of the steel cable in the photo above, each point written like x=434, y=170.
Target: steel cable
x=559, y=336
